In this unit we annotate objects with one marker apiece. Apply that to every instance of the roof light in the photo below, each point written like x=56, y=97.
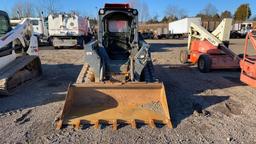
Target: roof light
x=107, y=5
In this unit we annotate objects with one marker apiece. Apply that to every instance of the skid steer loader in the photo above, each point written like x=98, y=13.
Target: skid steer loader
x=116, y=84
x=19, y=61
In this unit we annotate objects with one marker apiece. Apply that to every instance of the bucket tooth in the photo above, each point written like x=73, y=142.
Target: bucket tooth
x=77, y=124
x=133, y=124
x=168, y=123
x=151, y=123
x=96, y=124
x=114, y=124
x=58, y=124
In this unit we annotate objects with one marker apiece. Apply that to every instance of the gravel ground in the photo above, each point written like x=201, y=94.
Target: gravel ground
x=205, y=108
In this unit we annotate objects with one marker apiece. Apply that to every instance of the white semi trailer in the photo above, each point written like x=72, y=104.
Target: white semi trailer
x=180, y=27
x=67, y=30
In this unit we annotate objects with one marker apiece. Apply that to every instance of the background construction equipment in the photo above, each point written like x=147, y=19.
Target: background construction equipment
x=210, y=50
x=248, y=63
x=19, y=61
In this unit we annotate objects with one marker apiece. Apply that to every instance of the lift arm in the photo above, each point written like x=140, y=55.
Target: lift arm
x=20, y=33
x=222, y=32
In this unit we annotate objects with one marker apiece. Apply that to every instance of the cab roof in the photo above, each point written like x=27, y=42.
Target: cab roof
x=4, y=13
x=117, y=6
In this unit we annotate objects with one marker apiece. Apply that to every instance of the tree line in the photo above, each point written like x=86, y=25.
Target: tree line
x=209, y=13
x=172, y=13
x=23, y=9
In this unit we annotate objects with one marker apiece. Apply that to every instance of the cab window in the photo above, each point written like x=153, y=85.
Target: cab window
x=4, y=25
x=34, y=22
x=118, y=26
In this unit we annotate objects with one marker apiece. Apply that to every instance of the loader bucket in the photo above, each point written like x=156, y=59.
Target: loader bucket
x=115, y=103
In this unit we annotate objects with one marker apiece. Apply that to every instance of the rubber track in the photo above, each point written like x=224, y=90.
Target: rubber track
x=11, y=69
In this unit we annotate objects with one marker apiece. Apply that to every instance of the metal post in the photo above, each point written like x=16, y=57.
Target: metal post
x=247, y=11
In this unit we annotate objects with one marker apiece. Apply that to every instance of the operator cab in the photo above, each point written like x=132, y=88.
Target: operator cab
x=118, y=30
x=5, y=25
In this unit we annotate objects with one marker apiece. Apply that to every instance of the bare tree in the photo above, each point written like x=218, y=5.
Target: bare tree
x=174, y=12
x=134, y=3
x=144, y=12
x=22, y=9
x=17, y=10
x=28, y=9
x=46, y=6
x=142, y=7
x=226, y=14
x=153, y=20
x=50, y=6
x=209, y=10
x=171, y=11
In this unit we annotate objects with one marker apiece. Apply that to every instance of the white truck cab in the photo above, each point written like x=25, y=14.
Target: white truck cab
x=40, y=28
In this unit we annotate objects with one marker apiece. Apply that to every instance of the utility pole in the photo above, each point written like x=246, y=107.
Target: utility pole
x=247, y=11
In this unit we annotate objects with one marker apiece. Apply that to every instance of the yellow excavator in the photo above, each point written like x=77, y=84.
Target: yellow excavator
x=116, y=84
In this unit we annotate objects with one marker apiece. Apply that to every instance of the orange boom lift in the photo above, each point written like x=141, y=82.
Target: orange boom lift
x=210, y=50
x=248, y=63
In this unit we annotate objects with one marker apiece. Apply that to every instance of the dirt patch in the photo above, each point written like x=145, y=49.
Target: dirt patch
x=23, y=118
x=230, y=107
x=234, y=107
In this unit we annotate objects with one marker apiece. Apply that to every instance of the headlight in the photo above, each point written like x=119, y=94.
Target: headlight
x=135, y=12
x=102, y=11
x=143, y=54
